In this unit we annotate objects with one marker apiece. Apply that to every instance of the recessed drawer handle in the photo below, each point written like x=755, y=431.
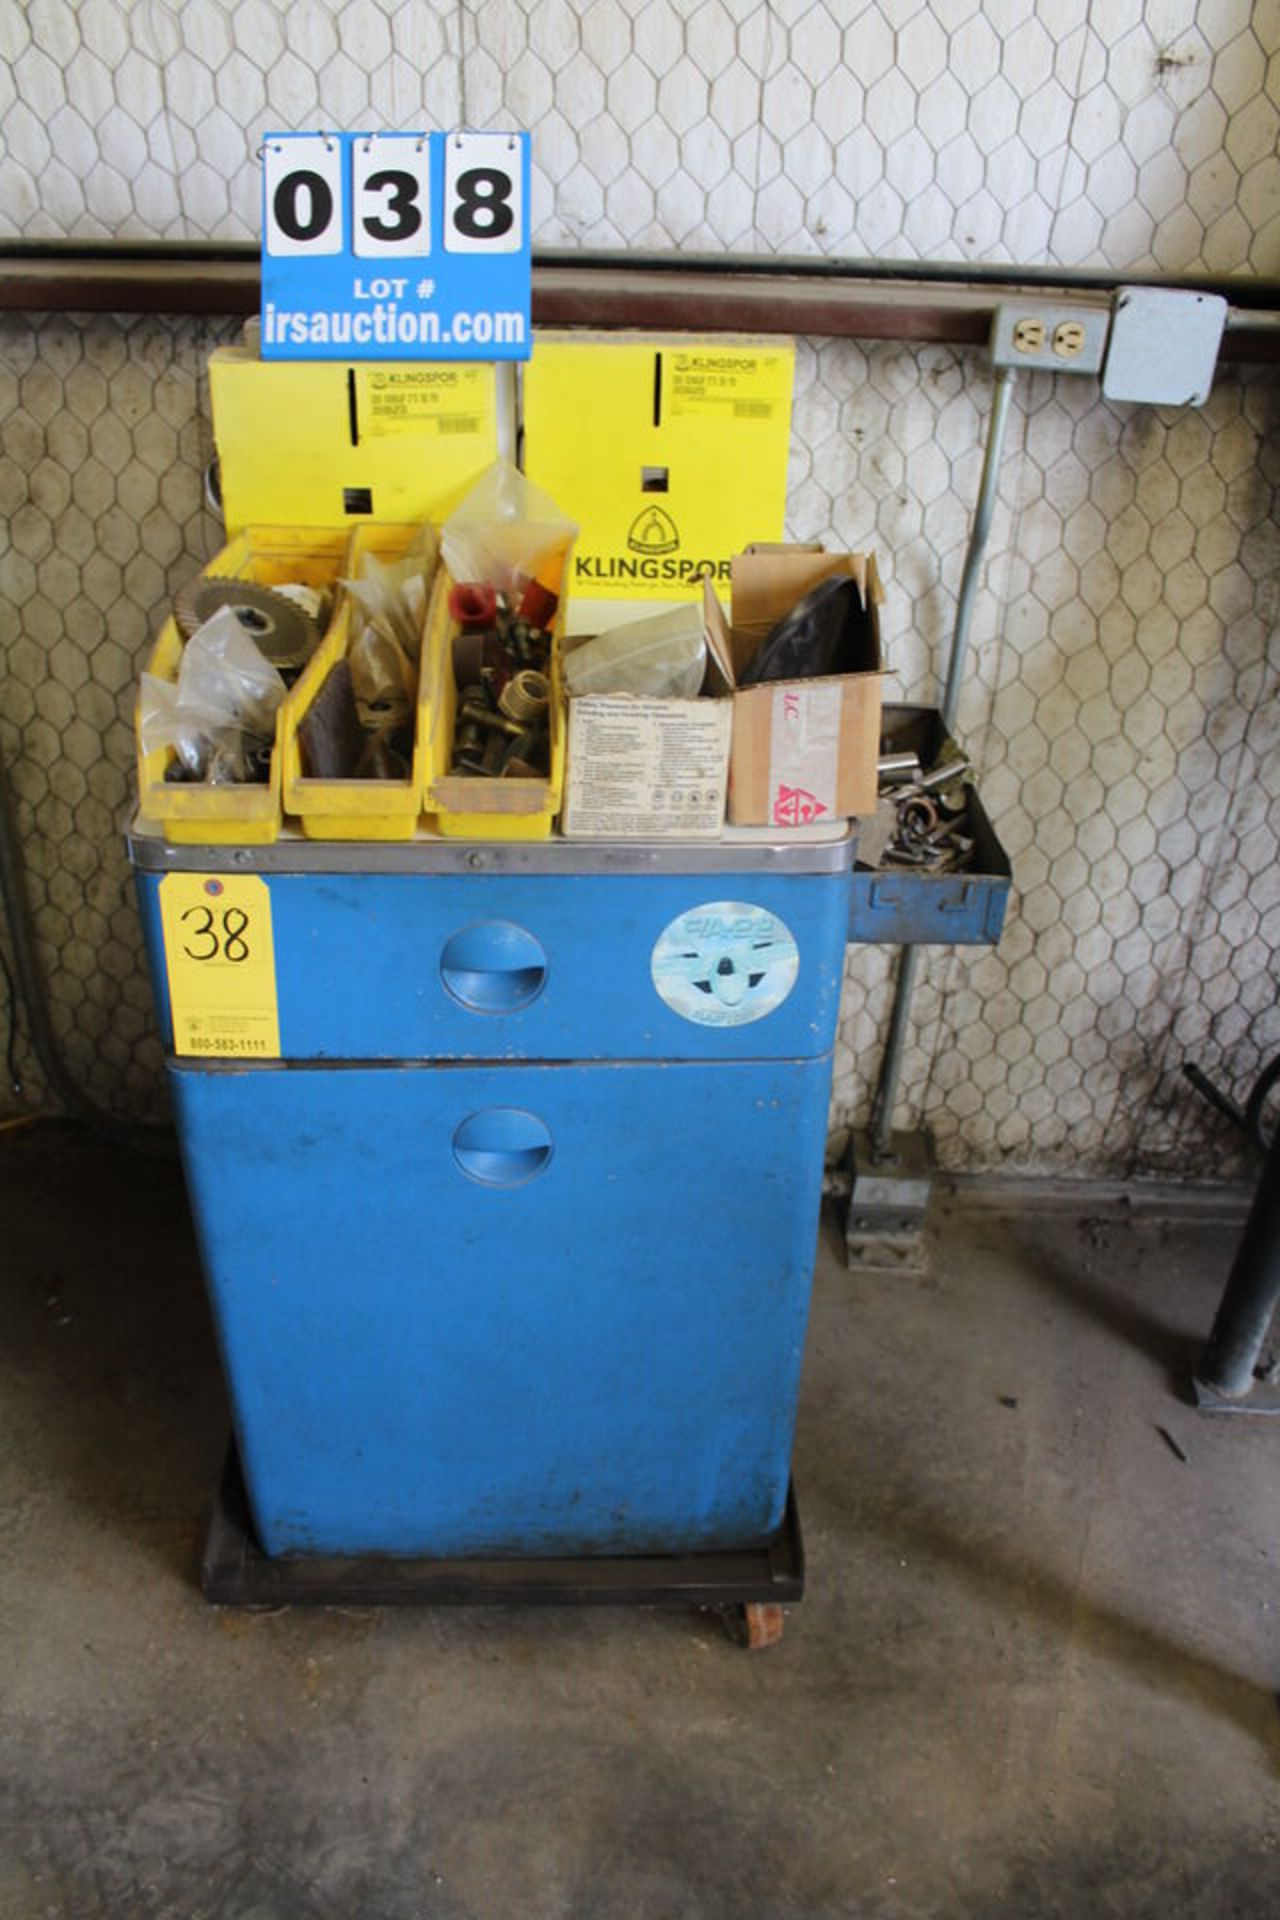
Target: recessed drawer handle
x=493, y=966
x=502, y=1146
x=882, y=897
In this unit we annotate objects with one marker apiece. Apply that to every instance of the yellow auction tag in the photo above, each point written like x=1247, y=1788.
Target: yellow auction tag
x=221, y=965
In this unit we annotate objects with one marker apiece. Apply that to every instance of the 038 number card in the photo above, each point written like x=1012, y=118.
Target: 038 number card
x=395, y=246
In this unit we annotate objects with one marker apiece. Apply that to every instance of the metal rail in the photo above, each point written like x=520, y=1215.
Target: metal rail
x=30, y=990
x=850, y=299
x=1002, y=393
x=1226, y=1367
x=886, y=1093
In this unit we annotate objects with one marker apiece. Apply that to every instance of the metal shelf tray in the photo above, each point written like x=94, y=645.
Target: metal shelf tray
x=893, y=906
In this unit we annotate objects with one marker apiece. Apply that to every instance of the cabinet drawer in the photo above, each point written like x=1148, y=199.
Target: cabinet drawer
x=442, y=966
x=509, y=1309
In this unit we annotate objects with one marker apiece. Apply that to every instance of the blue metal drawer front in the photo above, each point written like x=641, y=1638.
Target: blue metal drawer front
x=509, y=1310
x=444, y=966
x=895, y=906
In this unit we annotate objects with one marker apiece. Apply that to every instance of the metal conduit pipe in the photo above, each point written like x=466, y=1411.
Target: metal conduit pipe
x=763, y=293
x=1226, y=1367
x=886, y=1093
x=891, y=1066
x=31, y=991
x=30, y=980
x=979, y=534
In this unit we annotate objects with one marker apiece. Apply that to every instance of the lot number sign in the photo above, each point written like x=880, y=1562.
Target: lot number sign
x=395, y=246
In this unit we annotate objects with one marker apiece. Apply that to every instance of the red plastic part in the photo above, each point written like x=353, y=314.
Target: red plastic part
x=473, y=603
x=538, y=604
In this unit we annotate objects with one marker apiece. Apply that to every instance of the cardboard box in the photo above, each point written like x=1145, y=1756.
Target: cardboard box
x=641, y=768
x=670, y=449
x=320, y=443
x=790, y=753
x=802, y=750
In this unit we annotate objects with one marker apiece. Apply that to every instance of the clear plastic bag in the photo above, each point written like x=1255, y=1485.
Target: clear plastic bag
x=393, y=594
x=224, y=677
x=159, y=726
x=506, y=532
x=220, y=714
x=382, y=677
x=661, y=656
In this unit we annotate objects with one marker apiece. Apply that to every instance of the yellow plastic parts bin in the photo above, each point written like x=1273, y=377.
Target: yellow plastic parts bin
x=193, y=813
x=474, y=806
x=353, y=809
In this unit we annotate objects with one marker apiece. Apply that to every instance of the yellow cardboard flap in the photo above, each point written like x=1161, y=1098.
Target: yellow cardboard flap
x=319, y=443
x=767, y=581
x=671, y=451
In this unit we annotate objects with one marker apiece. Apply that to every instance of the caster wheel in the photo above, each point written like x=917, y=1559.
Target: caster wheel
x=762, y=1625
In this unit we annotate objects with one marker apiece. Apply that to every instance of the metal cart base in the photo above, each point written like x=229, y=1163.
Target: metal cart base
x=235, y=1572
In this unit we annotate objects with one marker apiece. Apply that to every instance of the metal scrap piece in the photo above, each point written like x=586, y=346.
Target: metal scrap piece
x=283, y=632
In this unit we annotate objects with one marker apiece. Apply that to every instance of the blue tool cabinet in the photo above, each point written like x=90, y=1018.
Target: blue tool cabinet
x=510, y=1253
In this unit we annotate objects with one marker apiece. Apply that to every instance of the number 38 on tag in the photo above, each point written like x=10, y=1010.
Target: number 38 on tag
x=220, y=962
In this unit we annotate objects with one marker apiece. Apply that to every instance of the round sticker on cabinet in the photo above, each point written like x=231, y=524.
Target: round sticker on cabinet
x=725, y=964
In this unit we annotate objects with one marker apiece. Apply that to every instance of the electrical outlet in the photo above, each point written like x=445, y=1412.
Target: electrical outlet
x=1050, y=339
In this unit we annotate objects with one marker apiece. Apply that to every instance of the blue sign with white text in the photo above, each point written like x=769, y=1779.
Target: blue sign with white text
x=395, y=246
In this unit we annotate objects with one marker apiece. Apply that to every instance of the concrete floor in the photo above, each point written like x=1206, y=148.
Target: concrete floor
x=1034, y=1673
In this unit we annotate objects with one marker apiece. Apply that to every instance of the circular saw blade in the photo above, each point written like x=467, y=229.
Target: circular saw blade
x=284, y=633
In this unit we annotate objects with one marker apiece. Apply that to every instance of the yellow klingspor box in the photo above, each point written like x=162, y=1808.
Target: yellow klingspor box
x=321, y=443
x=670, y=451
